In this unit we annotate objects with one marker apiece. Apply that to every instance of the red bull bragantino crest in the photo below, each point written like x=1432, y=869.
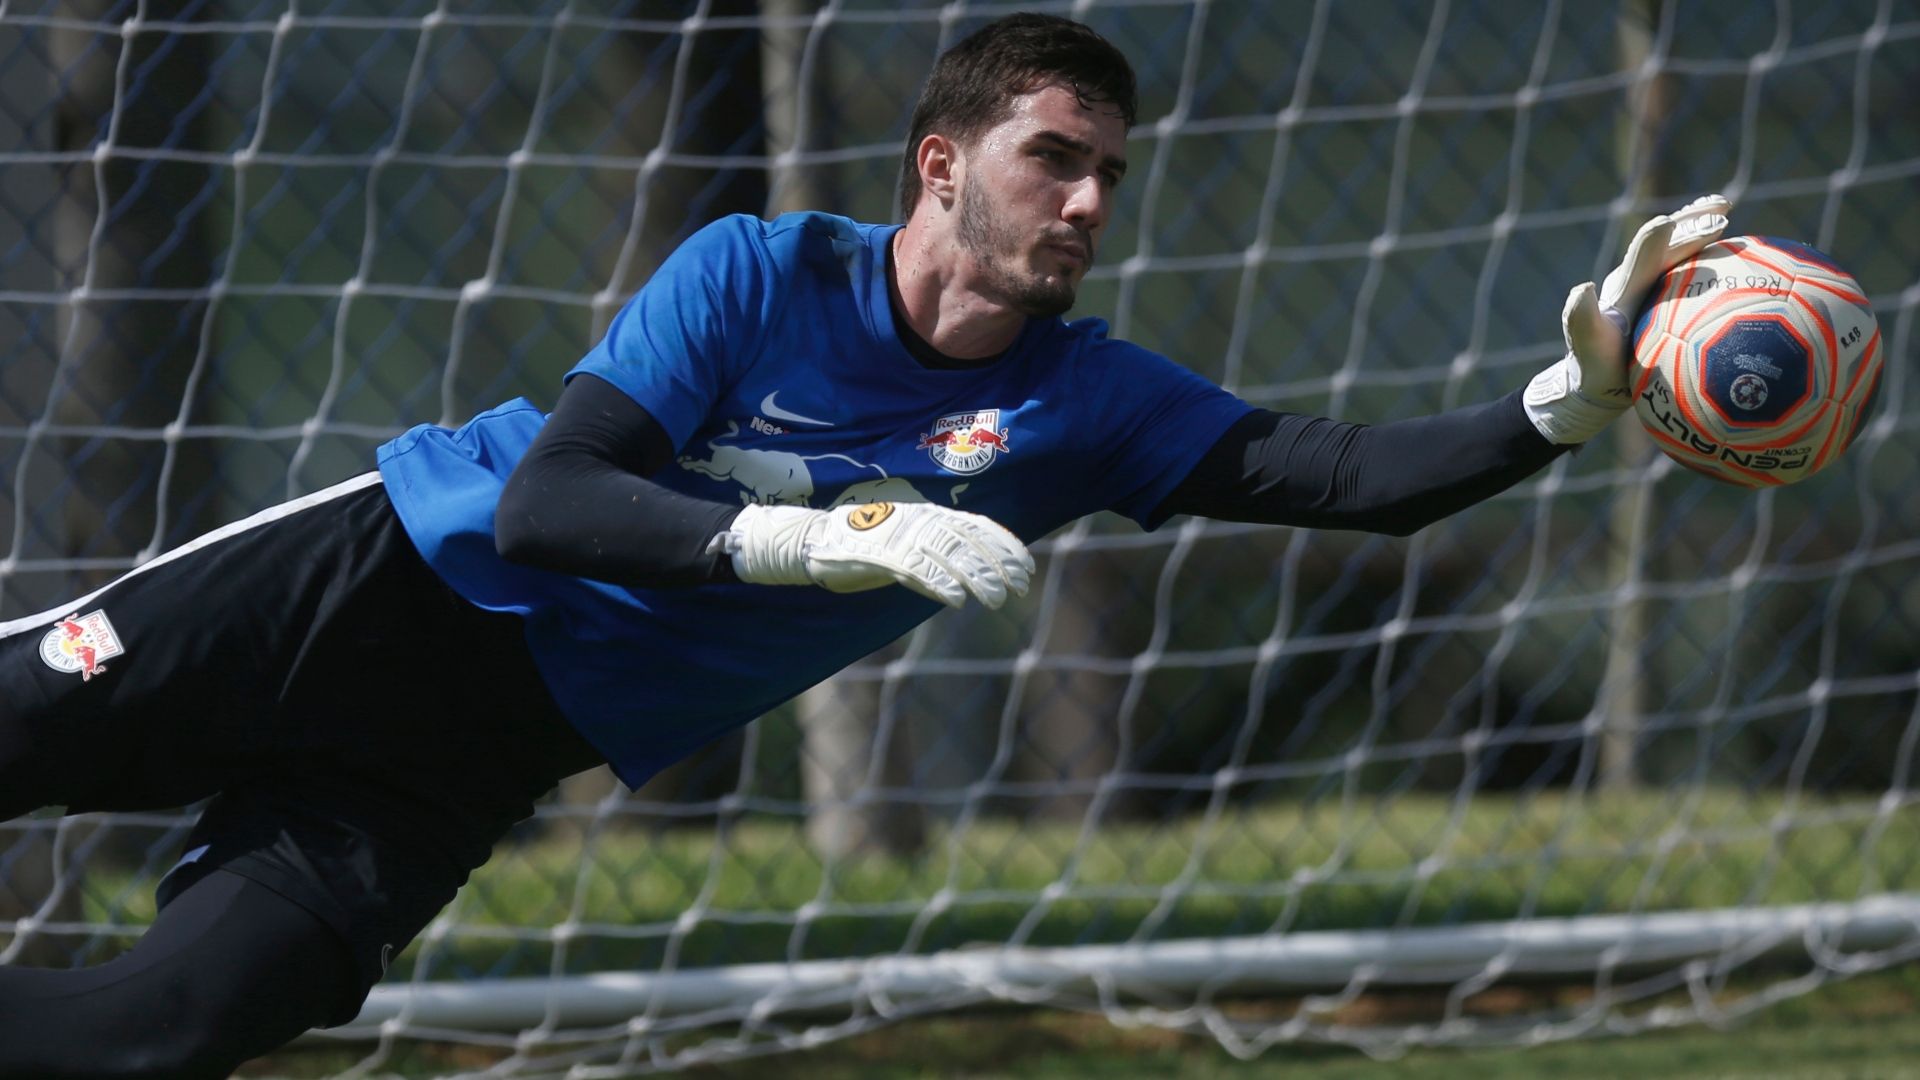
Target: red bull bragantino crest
x=81, y=643
x=966, y=442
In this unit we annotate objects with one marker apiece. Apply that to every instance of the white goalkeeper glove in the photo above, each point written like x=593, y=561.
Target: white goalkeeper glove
x=939, y=553
x=1574, y=399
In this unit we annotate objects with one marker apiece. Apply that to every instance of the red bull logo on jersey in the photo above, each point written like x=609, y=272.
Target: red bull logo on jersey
x=966, y=442
x=81, y=643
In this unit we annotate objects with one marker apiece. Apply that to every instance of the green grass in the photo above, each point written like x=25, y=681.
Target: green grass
x=1290, y=867
x=1254, y=870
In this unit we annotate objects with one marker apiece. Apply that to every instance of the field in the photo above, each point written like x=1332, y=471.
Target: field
x=1865, y=1027
x=1545, y=854
x=1548, y=854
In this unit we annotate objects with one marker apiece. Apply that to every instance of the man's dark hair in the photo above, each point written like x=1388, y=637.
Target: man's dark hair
x=974, y=83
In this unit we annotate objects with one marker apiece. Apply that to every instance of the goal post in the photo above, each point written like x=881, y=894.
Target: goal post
x=1618, y=727
x=1681, y=948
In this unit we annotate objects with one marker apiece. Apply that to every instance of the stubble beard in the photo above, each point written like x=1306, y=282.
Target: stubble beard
x=997, y=250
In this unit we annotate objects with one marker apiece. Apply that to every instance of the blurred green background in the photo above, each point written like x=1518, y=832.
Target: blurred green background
x=244, y=242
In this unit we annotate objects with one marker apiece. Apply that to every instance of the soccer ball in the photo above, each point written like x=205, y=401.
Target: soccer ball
x=1756, y=361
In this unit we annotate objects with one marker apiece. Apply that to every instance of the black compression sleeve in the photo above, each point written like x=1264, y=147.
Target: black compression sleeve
x=1286, y=469
x=579, y=503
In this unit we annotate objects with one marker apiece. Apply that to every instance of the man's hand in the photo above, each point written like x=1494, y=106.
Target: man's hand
x=1574, y=399
x=939, y=553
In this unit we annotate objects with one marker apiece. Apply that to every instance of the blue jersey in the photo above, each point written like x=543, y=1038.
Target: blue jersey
x=767, y=351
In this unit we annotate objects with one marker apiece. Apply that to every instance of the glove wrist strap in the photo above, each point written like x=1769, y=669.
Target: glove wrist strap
x=769, y=544
x=1559, y=411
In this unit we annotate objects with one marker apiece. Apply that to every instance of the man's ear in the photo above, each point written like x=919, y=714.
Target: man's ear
x=938, y=160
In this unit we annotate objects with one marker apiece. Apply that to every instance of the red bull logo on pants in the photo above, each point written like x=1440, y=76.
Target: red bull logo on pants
x=967, y=442
x=81, y=643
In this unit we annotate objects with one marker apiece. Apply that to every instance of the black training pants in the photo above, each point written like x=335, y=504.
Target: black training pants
x=229, y=971
x=364, y=736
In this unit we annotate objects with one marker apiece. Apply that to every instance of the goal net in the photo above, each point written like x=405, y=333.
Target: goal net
x=1618, y=749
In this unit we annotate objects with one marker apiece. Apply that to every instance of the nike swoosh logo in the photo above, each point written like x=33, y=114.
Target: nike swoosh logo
x=777, y=413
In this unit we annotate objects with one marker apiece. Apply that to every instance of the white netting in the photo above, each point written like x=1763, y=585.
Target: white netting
x=1618, y=726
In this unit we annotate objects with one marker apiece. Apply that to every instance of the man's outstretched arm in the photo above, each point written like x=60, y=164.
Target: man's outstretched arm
x=1288, y=469
x=1396, y=478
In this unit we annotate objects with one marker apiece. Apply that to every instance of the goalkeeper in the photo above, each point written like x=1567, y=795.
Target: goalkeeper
x=802, y=438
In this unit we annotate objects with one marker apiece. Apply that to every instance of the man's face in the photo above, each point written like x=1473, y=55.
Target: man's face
x=1035, y=193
